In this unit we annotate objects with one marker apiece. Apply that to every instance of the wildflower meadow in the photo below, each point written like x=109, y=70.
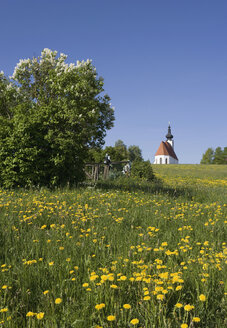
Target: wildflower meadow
x=95, y=257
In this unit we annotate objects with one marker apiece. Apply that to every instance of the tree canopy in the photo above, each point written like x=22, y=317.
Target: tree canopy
x=217, y=156
x=51, y=113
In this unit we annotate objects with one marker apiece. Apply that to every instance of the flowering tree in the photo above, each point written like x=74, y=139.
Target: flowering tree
x=51, y=112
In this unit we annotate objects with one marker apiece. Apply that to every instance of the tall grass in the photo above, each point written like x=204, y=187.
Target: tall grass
x=102, y=257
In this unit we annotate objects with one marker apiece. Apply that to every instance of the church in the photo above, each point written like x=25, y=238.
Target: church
x=165, y=153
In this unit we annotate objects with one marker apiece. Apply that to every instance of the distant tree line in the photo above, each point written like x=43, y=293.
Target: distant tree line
x=217, y=156
x=118, y=152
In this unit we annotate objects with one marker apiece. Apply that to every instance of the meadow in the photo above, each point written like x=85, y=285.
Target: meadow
x=144, y=255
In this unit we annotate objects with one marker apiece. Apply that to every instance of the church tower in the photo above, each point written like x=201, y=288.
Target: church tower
x=165, y=153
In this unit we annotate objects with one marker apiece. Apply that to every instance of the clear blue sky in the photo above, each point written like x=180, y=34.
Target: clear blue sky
x=162, y=60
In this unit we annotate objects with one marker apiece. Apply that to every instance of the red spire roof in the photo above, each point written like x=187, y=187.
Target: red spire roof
x=166, y=149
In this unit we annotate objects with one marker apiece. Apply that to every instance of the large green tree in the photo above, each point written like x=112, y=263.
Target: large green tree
x=208, y=156
x=51, y=113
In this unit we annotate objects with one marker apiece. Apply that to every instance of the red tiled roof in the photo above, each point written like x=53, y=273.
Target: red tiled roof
x=166, y=149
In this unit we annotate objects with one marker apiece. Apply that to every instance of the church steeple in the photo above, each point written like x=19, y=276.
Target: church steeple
x=169, y=136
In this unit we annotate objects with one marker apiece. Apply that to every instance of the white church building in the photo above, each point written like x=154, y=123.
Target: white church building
x=165, y=153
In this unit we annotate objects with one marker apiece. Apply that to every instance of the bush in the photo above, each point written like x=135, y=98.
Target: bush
x=142, y=170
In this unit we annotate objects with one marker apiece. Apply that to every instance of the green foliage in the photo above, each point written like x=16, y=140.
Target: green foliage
x=142, y=170
x=218, y=156
x=135, y=153
x=49, y=118
x=118, y=152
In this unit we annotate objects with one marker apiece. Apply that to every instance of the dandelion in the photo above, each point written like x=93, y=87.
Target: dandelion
x=147, y=298
x=3, y=310
x=196, y=319
x=46, y=292
x=40, y=315
x=100, y=306
x=202, y=298
x=178, y=305
x=188, y=307
x=30, y=314
x=184, y=325
x=114, y=286
x=160, y=297
x=127, y=306
x=134, y=321
x=58, y=300
x=111, y=318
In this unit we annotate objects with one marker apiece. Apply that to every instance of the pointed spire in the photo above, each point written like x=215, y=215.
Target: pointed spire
x=169, y=135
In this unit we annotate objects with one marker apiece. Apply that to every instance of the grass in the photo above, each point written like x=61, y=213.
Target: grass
x=145, y=255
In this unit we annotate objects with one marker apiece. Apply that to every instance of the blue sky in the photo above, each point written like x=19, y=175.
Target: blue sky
x=162, y=60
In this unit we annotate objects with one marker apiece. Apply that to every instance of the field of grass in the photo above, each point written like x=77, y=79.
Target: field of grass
x=151, y=257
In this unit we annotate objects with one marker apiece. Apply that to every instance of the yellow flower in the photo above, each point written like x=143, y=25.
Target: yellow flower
x=196, y=319
x=46, y=292
x=51, y=263
x=114, y=286
x=40, y=315
x=188, y=307
x=127, y=306
x=202, y=298
x=111, y=318
x=123, y=278
x=4, y=286
x=184, y=325
x=178, y=288
x=179, y=305
x=147, y=298
x=134, y=321
x=160, y=297
x=3, y=310
x=85, y=285
x=100, y=306
x=58, y=300
x=30, y=314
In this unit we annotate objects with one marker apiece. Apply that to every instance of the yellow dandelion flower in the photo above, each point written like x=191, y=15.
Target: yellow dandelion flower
x=160, y=297
x=3, y=310
x=196, y=319
x=178, y=305
x=202, y=298
x=58, y=300
x=111, y=318
x=46, y=292
x=40, y=315
x=127, y=306
x=51, y=263
x=184, y=325
x=30, y=314
x=100, y=306
x=114, y=286
x=188, y=307
x=85, y=285
x=147, y=298
x=134, y=321
x=4, y=286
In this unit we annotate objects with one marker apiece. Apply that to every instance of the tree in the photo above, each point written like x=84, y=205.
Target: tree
x=58, y=113
x=218, y=156
x=135, y=153
x=208, y=157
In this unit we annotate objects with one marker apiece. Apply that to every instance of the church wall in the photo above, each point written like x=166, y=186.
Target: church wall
x=163, y=159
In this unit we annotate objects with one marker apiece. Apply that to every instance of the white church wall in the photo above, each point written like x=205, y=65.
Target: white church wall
x=163, y=159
